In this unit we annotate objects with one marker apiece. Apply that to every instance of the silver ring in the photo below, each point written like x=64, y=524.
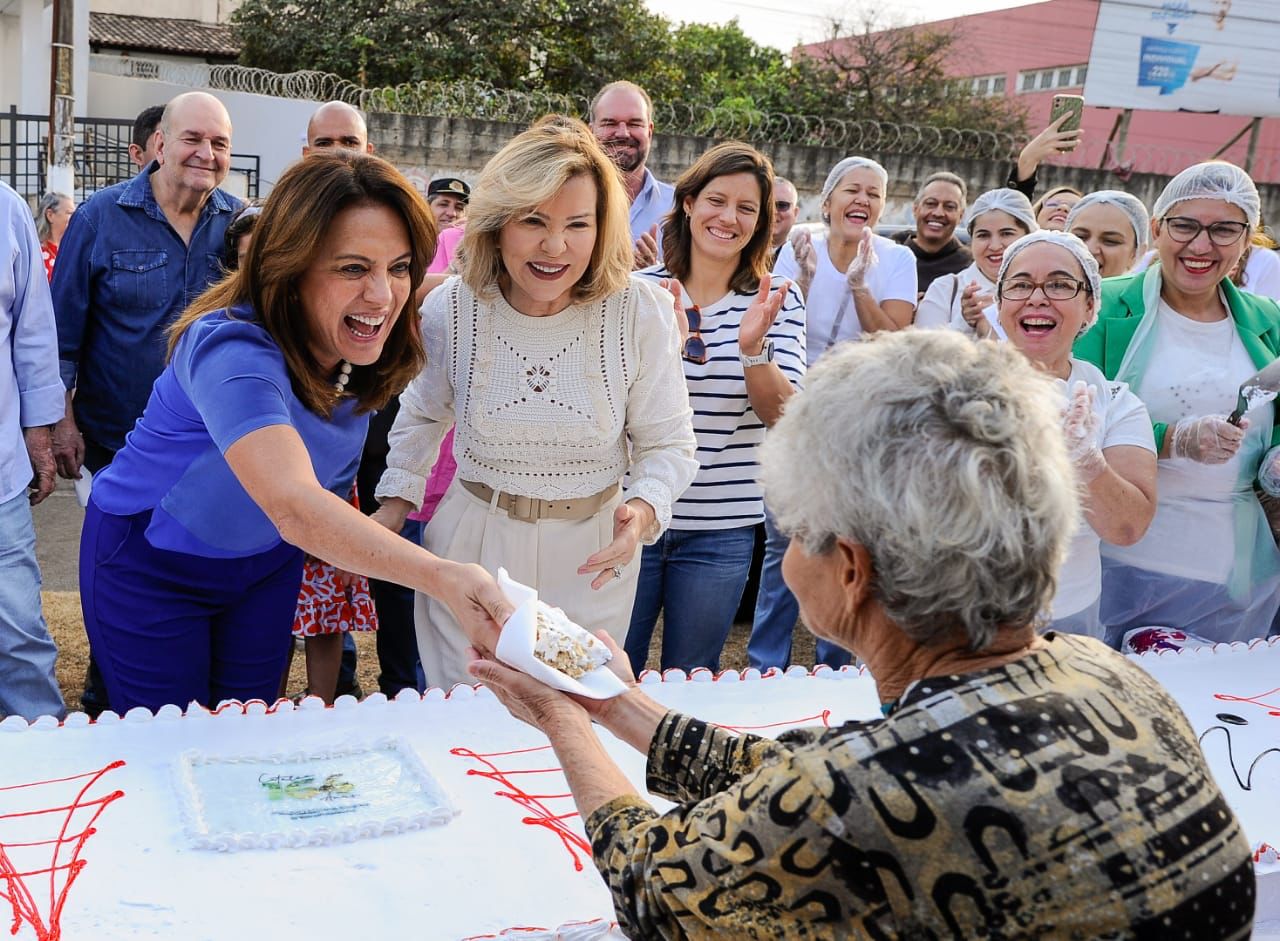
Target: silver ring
x=617, y=571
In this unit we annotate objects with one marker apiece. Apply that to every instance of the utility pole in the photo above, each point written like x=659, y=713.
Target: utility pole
x=61, y=176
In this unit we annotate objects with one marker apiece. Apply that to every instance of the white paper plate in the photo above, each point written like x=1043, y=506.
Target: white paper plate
x=516, y=642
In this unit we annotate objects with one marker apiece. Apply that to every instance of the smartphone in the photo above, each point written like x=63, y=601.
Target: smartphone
x=1067, y=104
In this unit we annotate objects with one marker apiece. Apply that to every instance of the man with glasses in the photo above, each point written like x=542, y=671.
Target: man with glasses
x=938, y=206
x=786, y=210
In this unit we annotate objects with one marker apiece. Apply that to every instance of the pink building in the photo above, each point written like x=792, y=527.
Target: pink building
x=1033, y=52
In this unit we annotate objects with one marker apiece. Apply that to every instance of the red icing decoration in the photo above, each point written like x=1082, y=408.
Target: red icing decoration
x=13, y=888
x=1272, y=708
x=540, y=814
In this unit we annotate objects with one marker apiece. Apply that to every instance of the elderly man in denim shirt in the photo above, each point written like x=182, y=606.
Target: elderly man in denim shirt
x=30, y=403
x=134, y=256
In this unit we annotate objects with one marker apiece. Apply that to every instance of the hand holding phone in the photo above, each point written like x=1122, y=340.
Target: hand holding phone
x=1070, y=105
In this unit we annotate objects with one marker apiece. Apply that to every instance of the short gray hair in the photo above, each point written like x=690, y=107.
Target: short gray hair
x=945, y=459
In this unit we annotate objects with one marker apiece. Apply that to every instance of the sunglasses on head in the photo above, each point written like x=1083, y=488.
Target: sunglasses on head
x=695, y=350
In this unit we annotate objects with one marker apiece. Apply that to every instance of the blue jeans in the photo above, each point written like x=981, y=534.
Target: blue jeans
x=695, y=579
x=777, y=612
x=28, y=687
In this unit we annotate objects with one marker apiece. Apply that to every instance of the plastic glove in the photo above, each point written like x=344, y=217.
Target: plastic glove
x=1207, y=440
x=862, y=262
x=806, y=258
x=1080, y=426
x=972, y=308
x=1269, y=473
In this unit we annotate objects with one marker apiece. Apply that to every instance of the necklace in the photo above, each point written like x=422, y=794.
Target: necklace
x=344, y=376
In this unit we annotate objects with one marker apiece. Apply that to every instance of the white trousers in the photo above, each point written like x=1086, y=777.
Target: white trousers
x=544, y=554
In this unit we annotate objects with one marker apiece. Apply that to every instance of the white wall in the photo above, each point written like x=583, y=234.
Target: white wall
x=10, y=58
x=272, y=128
x=26, y=30
x=209, y=11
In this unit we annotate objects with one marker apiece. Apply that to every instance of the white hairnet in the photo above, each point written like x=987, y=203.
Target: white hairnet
x=1088, y=264
x=852, y=163
x=1215, y=179
x=1127, y=203
x=1006, y=200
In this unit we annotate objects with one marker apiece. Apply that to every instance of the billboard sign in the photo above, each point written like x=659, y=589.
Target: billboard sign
x=1187, y=55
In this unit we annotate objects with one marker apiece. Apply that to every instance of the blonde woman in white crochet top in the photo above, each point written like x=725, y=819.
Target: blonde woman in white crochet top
x=561, y=375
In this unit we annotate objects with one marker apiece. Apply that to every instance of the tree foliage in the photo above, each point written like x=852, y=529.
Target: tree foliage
x=572, y=47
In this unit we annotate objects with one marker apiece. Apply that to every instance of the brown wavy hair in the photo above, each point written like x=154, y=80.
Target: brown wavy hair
x=677, y=238
x=526, y=173
x=286, y=240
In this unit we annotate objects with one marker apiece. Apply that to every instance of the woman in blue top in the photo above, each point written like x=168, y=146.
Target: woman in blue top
x=193, y=543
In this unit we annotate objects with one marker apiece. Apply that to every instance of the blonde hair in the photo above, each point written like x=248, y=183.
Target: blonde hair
x=527, y=172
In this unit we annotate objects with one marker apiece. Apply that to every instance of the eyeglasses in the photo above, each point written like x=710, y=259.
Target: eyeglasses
x=695, y=350
x=1056, y=289
x=1183, y=229
x=780, y=206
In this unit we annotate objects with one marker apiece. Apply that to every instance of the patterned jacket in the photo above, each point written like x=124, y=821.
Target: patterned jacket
x=1060, y=796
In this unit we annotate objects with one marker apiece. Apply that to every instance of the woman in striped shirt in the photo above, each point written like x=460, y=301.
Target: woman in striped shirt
x=743, y=358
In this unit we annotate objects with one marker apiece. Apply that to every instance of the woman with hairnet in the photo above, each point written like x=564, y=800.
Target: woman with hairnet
x=1048, y=290
x=854, y=283
x=1184, y=339
x=966, y=301
x=1114, y=226
x=853, y=280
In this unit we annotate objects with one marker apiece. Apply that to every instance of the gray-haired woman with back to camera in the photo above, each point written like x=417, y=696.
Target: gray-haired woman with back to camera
x=1016, y=786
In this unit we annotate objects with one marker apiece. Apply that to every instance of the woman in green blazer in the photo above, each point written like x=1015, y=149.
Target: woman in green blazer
x=1185, y=338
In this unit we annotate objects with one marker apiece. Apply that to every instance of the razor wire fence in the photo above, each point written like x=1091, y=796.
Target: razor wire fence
x=731, y=120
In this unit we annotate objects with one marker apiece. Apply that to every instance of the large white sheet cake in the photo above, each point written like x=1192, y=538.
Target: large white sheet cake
x=331, y=823
x=437, y=817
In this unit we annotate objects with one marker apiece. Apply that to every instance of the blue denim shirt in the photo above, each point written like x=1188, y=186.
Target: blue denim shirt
x=123, y=275
x=30, y=394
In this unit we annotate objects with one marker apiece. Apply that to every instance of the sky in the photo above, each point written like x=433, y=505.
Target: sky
x=771, y=23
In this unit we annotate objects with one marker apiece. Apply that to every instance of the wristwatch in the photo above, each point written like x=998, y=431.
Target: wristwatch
x=765, y=356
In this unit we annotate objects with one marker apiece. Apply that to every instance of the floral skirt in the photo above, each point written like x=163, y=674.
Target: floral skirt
x=326, y=607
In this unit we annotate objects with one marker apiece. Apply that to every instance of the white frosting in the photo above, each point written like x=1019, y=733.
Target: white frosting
x=506, y=866
x=1227, y=692
x=144, y=877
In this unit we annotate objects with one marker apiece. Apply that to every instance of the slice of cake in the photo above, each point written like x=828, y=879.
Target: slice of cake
x=564, y=646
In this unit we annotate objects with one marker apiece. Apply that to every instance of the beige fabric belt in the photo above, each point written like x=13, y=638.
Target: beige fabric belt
x=529, y=509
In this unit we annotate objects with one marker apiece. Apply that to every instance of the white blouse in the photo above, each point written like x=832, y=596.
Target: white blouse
x=554, y=407
x=942, y=304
